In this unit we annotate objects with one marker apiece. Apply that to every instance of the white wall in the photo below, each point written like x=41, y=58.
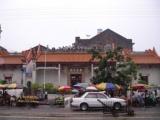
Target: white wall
x=152, y=72
x=16, y=74
x=87, y=74
x=51, y=77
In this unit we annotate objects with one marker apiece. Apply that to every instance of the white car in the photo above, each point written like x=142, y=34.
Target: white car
x=90, y=100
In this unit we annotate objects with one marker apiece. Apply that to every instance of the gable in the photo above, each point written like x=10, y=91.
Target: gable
x=104, y=39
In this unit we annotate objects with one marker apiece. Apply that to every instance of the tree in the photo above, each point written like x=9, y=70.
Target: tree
x=113, y=67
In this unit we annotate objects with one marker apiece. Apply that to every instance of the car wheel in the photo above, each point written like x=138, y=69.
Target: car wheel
x=84, y=107
x=117, y=106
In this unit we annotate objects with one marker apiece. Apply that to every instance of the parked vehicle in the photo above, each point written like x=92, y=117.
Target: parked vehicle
x=90, y=100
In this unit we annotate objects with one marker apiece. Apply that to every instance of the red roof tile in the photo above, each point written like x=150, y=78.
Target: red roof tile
x=10, y=59
x=139, y=58
x=65, y=57
x=147, y=57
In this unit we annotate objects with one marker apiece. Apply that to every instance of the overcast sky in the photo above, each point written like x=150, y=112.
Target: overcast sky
x=27, y=23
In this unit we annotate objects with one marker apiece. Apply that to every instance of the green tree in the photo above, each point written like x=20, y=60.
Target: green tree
x=36, y=86
x=51, y=88
x=113, y=67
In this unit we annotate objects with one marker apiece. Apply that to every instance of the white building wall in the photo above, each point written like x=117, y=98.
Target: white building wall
x=51, y=77
x=153, y=74
x=16, y=74
x=87, y=74
x=63, y=80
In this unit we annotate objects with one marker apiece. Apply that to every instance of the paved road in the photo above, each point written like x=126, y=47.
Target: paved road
x=45, y=112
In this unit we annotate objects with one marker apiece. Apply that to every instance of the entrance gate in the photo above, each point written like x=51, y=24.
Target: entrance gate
x=75, y=78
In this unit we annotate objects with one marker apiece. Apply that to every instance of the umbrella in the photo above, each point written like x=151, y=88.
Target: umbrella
x=139, y=86
x=74, y=91
x=84, y=85
x=64, y=88
x=91, y=88
x=110, y=86
x=118, y=87
x=101, y=86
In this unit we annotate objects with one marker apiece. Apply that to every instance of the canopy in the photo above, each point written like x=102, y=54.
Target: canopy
x=13, y=85
x=2, y=86
x=9, y=86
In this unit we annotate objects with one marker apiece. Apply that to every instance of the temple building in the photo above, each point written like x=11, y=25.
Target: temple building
x=70, y=65
x=10, y=66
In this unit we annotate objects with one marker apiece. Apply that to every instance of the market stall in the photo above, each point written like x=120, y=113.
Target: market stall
x=28, y=100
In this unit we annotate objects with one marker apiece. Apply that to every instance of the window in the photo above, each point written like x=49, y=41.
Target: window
x=101, y=96
x=91, y=95
x=145, y=79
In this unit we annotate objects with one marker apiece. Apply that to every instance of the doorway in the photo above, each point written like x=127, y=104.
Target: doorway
x=75, y=78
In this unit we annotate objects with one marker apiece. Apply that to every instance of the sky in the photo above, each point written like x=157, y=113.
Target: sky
x=56, y=23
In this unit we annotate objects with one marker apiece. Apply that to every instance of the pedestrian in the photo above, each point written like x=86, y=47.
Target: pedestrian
x=46, y=95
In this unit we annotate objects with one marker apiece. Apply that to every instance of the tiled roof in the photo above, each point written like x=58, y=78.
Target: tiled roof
x=147, y=57
x=65, y=57
x=10, y=60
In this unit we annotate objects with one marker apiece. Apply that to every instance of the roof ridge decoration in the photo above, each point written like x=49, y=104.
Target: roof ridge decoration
x=152, y=52
x=33, y=53
x=3, y=51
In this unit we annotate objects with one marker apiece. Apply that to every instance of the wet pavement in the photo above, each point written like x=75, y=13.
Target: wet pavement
x=51, y=112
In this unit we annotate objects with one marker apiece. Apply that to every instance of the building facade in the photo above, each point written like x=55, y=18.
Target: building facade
x=103, y=41
x=72, y=65
x=10, y=67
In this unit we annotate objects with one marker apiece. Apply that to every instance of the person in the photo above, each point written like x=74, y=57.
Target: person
x=145, y=98
x=6, y=98
x=46, y=95
x=12, y=100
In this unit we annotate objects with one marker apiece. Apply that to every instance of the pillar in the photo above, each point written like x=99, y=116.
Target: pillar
x=92, y=70
x=59, y=74
x=24, y=75
x=34, y=72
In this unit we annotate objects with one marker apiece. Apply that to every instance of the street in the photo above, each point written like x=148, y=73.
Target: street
x=46, y=112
